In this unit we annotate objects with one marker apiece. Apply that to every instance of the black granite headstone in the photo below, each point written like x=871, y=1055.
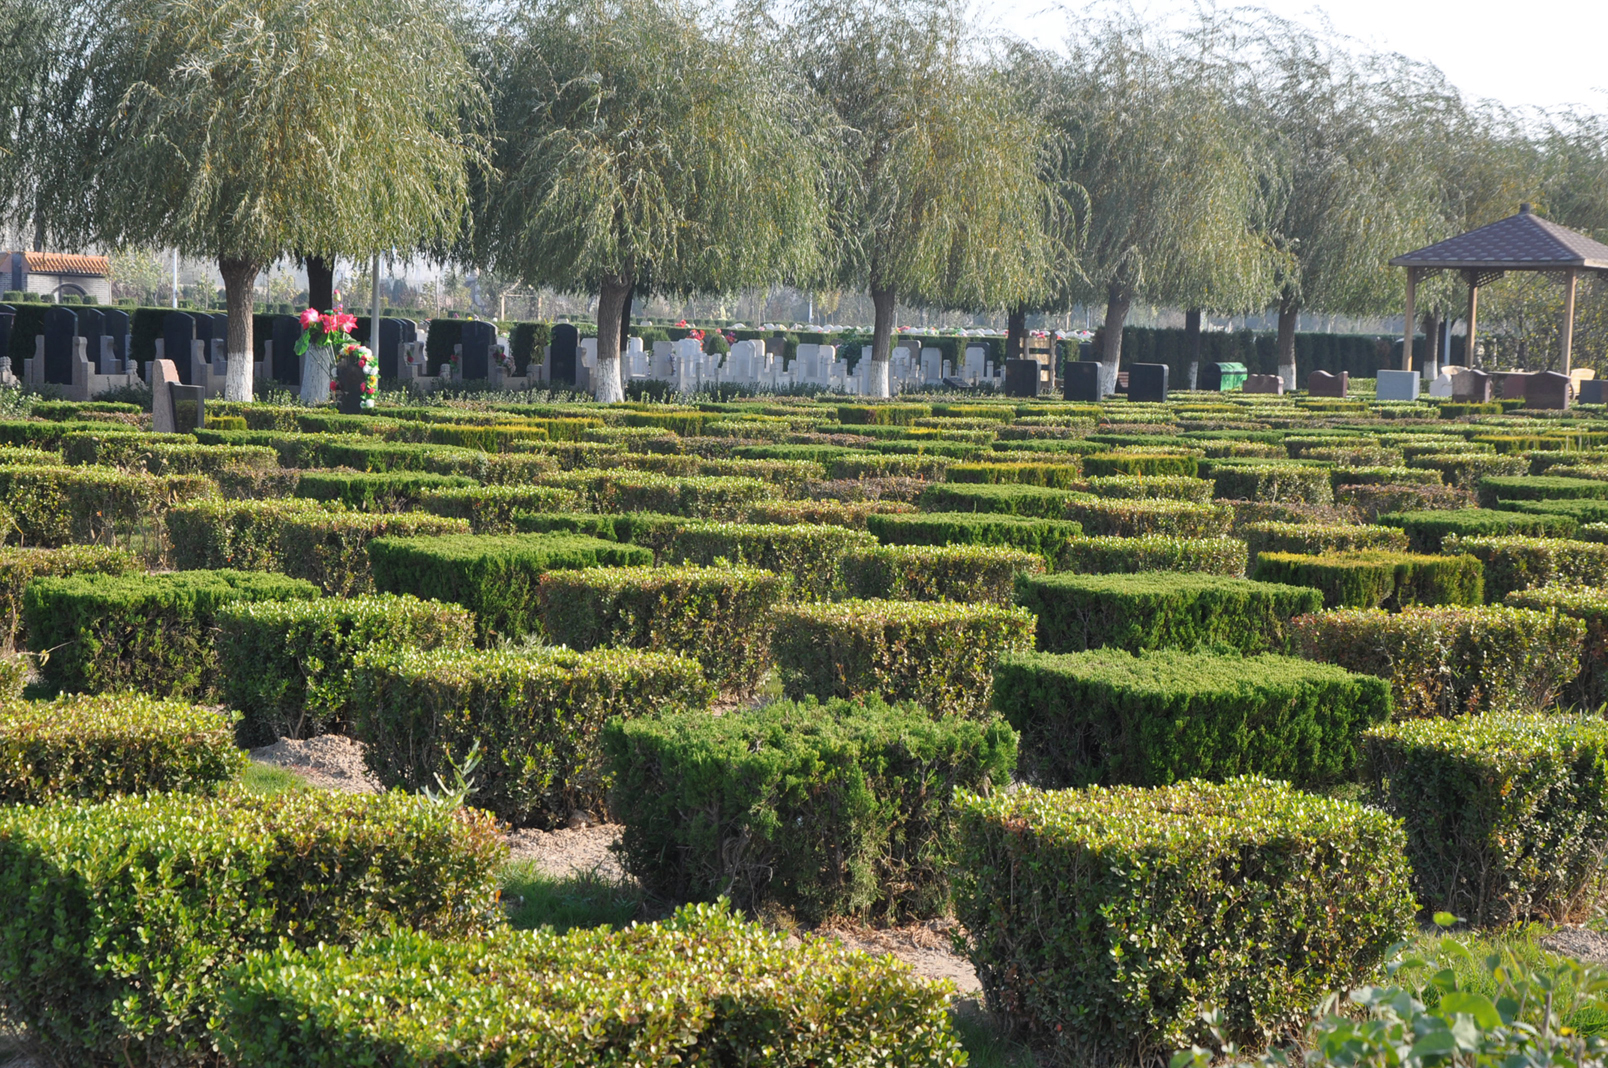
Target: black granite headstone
x=1592, y=390
x=478, y=339
x=8, y=315
x=178, y=336
x=349, y=373
x=92, y=327
x=389, y=352
x=1082, y=381
x=564, y=347
x=117, y=326
x=1548, y=389
x=1147, y=383
x=61, y=331
x=189, y=407
x=286, y=366
x=220, y=332
x=1022, y=378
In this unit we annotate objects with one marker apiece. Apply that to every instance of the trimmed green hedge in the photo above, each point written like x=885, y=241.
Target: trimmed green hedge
x=1120, y=462
x=1494, y=491
x=831, y=513
x=494, y=576
x=1046, y=537
x=938, y=654
x=704, y=987
x=1162, y=611
x=842, y=809
x=491, y=509
x=330, y=548
x=1136, y=518
x=1056, y=476
x=1426, y=530
x=1272, y=482
x=19, y=566
x=108, y=632
x=1581, y=510
x=242, y=535
x=858, y=465
x=53, y=506
x=1107, y=716
x=1465, y=469
x=806, y=555
x=1315, y=538
x=882, y=414
x=973, y=573
x=1039, y=502
x=1105, y=923
x=124, y=919
x=649, y=529
x=1589, y=689
x=719, y=616
x=1513, y=564
x=1371, y=502
x=1506, y=816
x=384, y=491
x=536, y=717
x=1153, y=552
x=1451, y=661
x=285, y=665
x=1378, y=579
x=1162, y=487
x=91, y=747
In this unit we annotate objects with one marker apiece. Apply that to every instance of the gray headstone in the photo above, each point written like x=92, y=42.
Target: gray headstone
x=1022, y=378
x=1147, y=382
x=1397, y=385
x=1082, y=381
x=220, y=330
x=349, y=373
x=61, y=328
x=478, y=339
x=1548, y=389
x=285, y=332
x=561, y=362
x=92, y=327
x=178, y=334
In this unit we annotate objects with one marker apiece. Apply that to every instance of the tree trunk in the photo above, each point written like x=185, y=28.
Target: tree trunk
x=1118, y=299
x=1192, y=344
x=625, y=316
x=1289, y=312
x=882, y=299
x=1016, y=333
x=612, y=301
x=320, y=283
x=239, y=284
x=1431, y=321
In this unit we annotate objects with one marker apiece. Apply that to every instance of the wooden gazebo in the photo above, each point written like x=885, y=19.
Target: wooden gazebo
x=1522, y=242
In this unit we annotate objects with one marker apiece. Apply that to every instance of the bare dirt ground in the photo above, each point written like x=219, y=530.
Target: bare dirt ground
x=924, y=946
x=570, y=850
x=1579, y=942
x=330, y=762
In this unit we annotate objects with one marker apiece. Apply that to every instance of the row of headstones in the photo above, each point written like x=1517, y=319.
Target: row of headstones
x=105, y=332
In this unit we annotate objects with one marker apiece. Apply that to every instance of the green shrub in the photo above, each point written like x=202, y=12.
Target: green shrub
x=1135, y=518
x=1043, y=536
x=330, y=548
x=91, y=747
x=1382, y=476
x=888, y=465
x=1375, y=578
x=1589, y=689
x=1163, y=487
x=1039, y=502
x=123, y=918
x=490, y=509
x=701, y=988
x=1107, y=716
x=496, y=577
x=1495, y=492
x=18, y=567
x=484, y=438
x=48, y=434
x=384, y=491
x=938, y=654
x=1149, y=464
x=971, y=573
x=242, y=535
x=1272, y=482
x=882, y=414
x=649, y=529
x=1450, y=661
x=1523, y=563
x=1314, y=538
x=806, y=555
x=853, y=514
x=1426, y=530
x=1580, y=510
x=1506, y=816
x=719, y=616
x=53, y=506
x=285, y=665
x=1371, y=502
x=623, y=490
x=1057, y=476
x=1465, y=469
x=535, y=716
x=1153, y=552
x=1105, y=923
x=827, y=811
x=108, y=632
x=1162, y=611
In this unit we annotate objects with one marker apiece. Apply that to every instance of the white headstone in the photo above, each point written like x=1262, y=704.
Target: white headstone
x=1397, y=386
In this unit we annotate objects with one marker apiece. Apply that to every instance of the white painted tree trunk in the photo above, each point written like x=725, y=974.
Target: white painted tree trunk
x=318, y=364
x=237, y=382
x=877, y=379
x=608, y=388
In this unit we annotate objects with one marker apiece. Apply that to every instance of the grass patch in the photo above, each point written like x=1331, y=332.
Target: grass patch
x=267, y=780
x=1523, y=942
x=985, y=1042
x=584, y=899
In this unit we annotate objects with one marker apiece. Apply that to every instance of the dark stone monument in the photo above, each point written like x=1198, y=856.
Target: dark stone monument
x=1082, y=381
x=1471, y=387
x=478, y=339
x=1264, y=384
x=117, y=327
x=1324, y=384
x=1514, y=384
x=220, y=333
x=92, y=327
x=8, y=316
x=1548, y=389
x=389, y=350
x=349, y=373
x=1147, y=383
x=1592, y=390
x=1022, y=378
x=286, y=365
x=61, y=334
x=189, y=408
x=178, y=336
x=563, y=349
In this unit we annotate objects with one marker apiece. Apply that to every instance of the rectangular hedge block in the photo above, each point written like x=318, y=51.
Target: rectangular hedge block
x=719, y=616
x=1314, y=538
x=1494, y=491
x=382, y=491
x=836, y=810
x=975, y=573
x=805, y=554
x=490, y=509
x=536, y=716
x=1378, y=578
x=1105, y=922
x=938, y=654
x=1181, y=464
x=1451, y=661
x=1589, y=689
x=1108, y=717
x=1045, y=537
x=92, y=747
x=1056, y=476
x=54, y=506
x=1162, y=610
x=1519, y=563
x=1135, y=518
x=1153, y=552
x=145, y=632
x=20, y=566
x=330, y=548
x=1002, y=498
x=1426, y=530
x=1272, y=482
x=495, y=576
x=1506, y=816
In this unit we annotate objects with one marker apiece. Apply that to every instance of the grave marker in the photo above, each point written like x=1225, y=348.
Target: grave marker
x=61, y=336
x=563, y=354
x=1549, y=390
x=1147, y=383
x=178, y=340
x=1324, y=384
x=1082, y=381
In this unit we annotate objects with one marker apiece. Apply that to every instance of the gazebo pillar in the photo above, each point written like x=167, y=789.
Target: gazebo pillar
x=1407, y=330
x=1570, y=276
x=1473, y=319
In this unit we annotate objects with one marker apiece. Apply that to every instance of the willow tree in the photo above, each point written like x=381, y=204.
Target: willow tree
x=244, y=130
x=937, y=196
x=636, y=142
x=1156, y=141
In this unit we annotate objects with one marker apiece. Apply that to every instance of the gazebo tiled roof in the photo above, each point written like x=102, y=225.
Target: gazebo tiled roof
x=66, y=263
x=1522, y=242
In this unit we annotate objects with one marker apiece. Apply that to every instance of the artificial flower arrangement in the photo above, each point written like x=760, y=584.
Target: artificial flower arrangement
x=325, y=329
x=371, y=371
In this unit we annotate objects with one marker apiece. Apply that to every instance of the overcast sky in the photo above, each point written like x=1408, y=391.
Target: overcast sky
x=1537, y=53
